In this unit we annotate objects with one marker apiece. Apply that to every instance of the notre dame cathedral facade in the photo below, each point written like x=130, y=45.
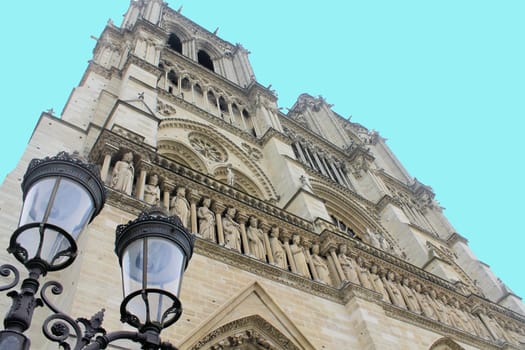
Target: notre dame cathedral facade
x=311, y=234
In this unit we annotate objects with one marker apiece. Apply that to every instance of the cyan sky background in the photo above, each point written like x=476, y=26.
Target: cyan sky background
x=443, y=81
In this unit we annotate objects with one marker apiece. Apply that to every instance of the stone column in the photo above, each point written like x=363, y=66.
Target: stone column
x=325, y=165
x=218, y=208
x=242, y=218
x=286, y=241
x=109, y=152
x=318, y=161
x=309, y=158
x=218, y=107
x=265, y=229
x=194, y=198
x=230, y=111
x=336, y=172
x=139, y=189
x=334, y=274
x=167, y=187
x=338, y=267
x=307, y=245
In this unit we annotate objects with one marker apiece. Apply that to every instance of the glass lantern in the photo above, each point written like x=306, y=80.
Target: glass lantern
x=154, y=251
x=61, y=194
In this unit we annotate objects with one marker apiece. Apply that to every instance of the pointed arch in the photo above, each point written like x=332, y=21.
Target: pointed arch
x=210, y=49
x=180, y=31
x=182, y=154
x=446, y=344
x=252, y=330
x=343, y=207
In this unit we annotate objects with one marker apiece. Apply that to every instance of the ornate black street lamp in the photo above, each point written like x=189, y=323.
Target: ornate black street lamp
x=62, y=194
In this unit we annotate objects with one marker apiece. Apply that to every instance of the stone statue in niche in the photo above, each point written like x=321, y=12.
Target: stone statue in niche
x=152, y=190
x=232, y=230
x=180, y=206
x=123, y=173
x=299, y=257
x=230, y=176
x=424, y=301
x=347, y=265
x=459, y=317
x=372, y=238
x=478, y=325
x=320, y=265
x=393, y=290
x=439, y=306
x=278, y=252
x=256, y=240
x=206, y=220
x=363, y=274
x=377, y=283
x=409, y=296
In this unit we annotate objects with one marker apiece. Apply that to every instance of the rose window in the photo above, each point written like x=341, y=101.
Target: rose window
x=208, y=148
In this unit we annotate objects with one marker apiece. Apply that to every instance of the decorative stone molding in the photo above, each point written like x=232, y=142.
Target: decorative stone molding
x=252, y=152
x=165, y=109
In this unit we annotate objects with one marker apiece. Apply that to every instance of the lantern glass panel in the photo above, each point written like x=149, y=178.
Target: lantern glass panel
x=152, y=264
x=58, y=201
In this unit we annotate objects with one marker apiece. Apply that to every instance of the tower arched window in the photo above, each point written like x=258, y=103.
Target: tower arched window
x=173, y=78
x=174, y=43
x=185, y=84
x=205, y=60
x=223, y=106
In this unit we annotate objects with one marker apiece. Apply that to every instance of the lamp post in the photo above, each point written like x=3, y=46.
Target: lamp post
x=62, y=194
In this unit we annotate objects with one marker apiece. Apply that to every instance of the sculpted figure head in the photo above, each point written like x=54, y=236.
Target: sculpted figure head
x=315, y=249
x=374, y=269
x=253, y=221
x=343, y=249
x=153, y=180
x=274, y=232
x=181, y=191
x=391, y=276
x=231, y=212
x=418, y=287
x=433, y=294
x=296, y=239
x=206, y=202
x=127, y=157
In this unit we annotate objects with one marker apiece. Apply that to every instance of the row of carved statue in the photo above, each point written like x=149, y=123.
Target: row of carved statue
x=246, y=235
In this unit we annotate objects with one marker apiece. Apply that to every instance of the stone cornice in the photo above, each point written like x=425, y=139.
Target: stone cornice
x=288, y=278
x=456, y=237
x=272, y=133
x=148, y=67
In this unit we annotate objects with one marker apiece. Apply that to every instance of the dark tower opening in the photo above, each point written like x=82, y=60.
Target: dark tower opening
x=174, y=43
x=205, y=59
